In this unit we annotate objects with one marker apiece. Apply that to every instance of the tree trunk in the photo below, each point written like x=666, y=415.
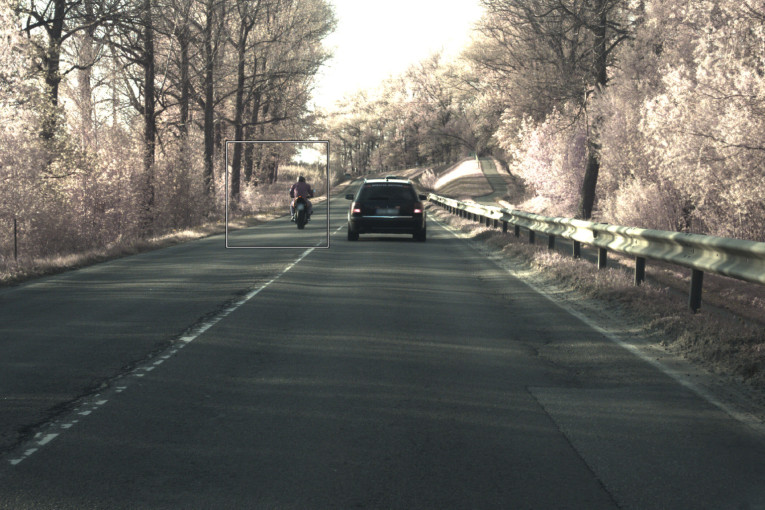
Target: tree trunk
x=236, y=163
x=150, y=127
x=85, y=92
x=183, y=41
x=249, y=157
x=209, y=121
x=52, y=64
x=590, y=181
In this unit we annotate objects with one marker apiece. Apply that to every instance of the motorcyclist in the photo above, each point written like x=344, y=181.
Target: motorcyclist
x=301, y=188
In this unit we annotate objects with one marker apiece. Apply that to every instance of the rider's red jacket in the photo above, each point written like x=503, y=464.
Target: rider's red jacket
x=301, y=189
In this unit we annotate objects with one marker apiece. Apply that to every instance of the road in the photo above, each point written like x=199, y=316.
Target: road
x=282, y=233
x=383, y=373
x=496, y=181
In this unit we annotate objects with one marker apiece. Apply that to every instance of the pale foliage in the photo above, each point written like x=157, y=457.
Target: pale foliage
x=84, y=182
x=275, y=197
x=20, y=151
x=549, y=156
x=685, y=121
x=680, y=124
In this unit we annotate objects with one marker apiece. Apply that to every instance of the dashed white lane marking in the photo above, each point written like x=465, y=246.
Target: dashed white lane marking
x=54, y=429
x=47, y=439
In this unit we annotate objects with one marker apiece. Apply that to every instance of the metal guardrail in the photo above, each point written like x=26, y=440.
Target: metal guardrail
x=743, y=260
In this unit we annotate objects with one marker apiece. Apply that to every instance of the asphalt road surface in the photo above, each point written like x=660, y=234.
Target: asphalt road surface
x=383, y=373
x=282, y=233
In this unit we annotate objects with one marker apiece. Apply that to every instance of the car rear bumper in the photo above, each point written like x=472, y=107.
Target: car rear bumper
x=386, y=224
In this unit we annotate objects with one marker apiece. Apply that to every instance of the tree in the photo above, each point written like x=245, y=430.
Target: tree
x=214, y=22
x=274, y=78
x=21, y=95
x=248, y=15
x=683, y=120
x=443, y=110
x=558, y=52
x=59, y=20
x=134, y=39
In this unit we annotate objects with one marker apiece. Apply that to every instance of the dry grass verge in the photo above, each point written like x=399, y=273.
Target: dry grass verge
x=15, y=272
x=722, y=343
x=26, y=268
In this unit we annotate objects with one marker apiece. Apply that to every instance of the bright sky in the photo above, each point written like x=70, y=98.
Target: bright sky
x=375, y=39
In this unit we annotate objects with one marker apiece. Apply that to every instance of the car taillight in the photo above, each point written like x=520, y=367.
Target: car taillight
x=355, y=208
x=418, y=208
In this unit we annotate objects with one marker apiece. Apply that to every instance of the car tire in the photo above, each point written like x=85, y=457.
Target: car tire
x=352, y=236
x=420, y=235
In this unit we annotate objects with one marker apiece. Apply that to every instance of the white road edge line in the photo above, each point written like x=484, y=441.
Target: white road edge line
x=96, y=401
x=740, y=416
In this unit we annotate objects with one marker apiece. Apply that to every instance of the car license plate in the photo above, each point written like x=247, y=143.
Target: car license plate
x=387, y=212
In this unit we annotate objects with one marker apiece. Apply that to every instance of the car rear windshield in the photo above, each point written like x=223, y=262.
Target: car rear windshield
x=388, y=192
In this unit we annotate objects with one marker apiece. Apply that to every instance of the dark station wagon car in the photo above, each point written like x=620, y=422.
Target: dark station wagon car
x=386, y=206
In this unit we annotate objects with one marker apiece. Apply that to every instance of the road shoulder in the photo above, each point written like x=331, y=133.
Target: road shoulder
x=740, y=401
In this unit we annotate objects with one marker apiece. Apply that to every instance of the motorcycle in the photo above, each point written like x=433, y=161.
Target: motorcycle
x=301, y=212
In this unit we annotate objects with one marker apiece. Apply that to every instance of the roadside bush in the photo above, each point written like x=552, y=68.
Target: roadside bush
x=549, y=156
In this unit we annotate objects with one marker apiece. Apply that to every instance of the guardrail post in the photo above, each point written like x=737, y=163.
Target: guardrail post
x=639, y=270
x=488, y=221
x=602, y=258
x=577, y=250
x=496, y=223
x=532, y=236
x=517, y=231
x=504, y=227
x=550, y=242
x=697, y=280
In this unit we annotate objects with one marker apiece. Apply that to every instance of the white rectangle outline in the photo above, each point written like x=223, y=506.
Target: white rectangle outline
x=225, y=173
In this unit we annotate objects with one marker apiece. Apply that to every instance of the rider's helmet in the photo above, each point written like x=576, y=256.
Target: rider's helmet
x=301, y=179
